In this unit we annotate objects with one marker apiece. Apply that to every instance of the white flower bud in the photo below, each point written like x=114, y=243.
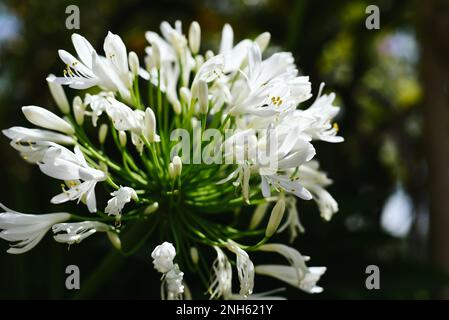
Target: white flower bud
x=194, y=255
x=163, y=256
x=102, y=133
x=263, y=40
x=122, y=138
x=78, y=110
x=203, y=98
x=133, y=61
x=43, y=118
x=58, y=94
x=199, y=61
x=177, y=165
x=151, y=208
x=186, y=95
x=149, y=63
x=115, y=239
x=150, y=126
x=194, y=37
x=275, y=218
x=171, y=170
x=177, y=106
x=209, y=54
x=156, y=55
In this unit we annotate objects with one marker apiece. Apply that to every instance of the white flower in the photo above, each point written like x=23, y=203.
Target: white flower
x=43, y=118
x=26, y=230
x=318, y=118
x=194, y=37
x=275, y=218
x=292, y=221
x=163, y=256
x=58, y=94
x=270, y=86
x=60, y=163
x=110, y=73
x=98, y=103
x=150, y=126
x=245, y=268
x=71, y=233
x=120, y=197
x=315, y=181
x=221, y=282
x=297, y=274
x=173, y=284
x=27, y=135
x=288, y=275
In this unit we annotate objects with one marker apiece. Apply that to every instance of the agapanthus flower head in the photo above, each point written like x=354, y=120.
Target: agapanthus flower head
x=178, y=141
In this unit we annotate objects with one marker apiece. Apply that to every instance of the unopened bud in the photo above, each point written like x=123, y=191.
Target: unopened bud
x=203, y=96
x=151, y=208
x=156, y=55
x=102, y=133
x=58, y=94
x=78, y=110
x=115, y=239
x=194, y=255
x=122, y=138
x=263, y=40
x=275, y=218
x=194, y=37
x=133, y=61
x=177, y=165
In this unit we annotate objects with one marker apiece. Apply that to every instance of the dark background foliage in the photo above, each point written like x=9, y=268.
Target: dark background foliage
x=396, y=150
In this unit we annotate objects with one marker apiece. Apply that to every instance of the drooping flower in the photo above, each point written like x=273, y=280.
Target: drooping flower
x=71, y=233
x=315, y=181
x=245, y=268
x=120, y=197
x=173, y=283
x=163, y=256
x=24, y=231
x=221, y=282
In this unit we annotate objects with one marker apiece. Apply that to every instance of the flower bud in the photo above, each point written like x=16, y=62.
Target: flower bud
x=115, y=239
x=156, y=54
x=171, y=170
x=122, y=138
x=133, y=61
x=194, y=37
x=186, y=95
x=43, y=118
x=151, y=208
x=199, y=60
x=275, y=218
x=150, y=125
x=177, y=165
x=177, y=106
x=102, y=133
x=78, y=110
x=194, y=255
x=203, y=98
x=209, y=54
x=58, y=94
x=263, y=40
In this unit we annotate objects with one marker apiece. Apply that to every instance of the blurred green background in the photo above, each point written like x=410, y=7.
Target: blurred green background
x=390, y=175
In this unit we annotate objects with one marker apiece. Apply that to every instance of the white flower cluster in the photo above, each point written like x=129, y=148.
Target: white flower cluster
x=268, y=152
x=172, y=284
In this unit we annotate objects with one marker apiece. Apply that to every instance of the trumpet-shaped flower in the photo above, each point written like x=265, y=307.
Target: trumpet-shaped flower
x=25, y=231
x=120, y=197
x=71, y=233
x=60, y=163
